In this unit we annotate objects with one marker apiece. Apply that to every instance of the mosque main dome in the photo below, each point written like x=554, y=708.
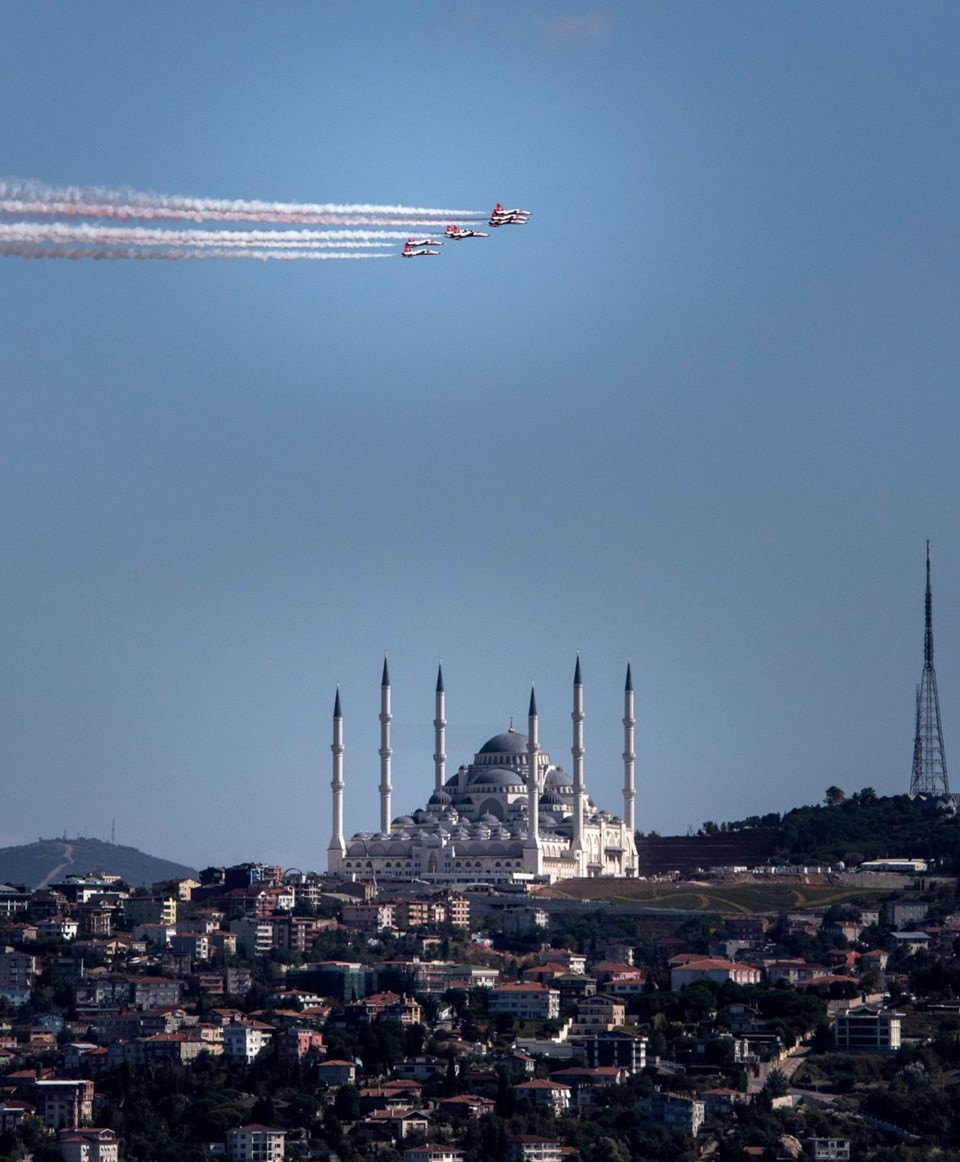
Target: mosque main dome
x=510, y=742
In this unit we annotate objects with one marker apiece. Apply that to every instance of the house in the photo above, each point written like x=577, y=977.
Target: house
x=255, y=1143
x=88, y=1145
x=467, y=1106
x=12, y=1113
x=571, y=961
x=907, y=942
x=827, y=1149
x=551, y=1094
x=399, y=1123
x=336, y=1072
x=587, y=1083
x=423, y=1068
x=433, y=1153
x=720, y=1101
x=713, y=969
x=531, y=1148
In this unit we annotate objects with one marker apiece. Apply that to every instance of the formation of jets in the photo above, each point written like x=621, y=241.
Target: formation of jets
x=421, y=247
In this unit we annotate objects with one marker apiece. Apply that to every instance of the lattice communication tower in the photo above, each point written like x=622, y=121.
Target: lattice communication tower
x=929, y=775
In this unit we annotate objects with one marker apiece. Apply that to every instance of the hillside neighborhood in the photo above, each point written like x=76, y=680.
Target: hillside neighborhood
x=251, y=1014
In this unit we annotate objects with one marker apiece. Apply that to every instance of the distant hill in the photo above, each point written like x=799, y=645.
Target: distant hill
x=49, y=860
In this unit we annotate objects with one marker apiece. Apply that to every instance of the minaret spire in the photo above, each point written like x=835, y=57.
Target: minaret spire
x=929, y=773
x=578, y=791
x=533, y=856
x=337, y=849
x=386, y=789
x=439, y=733
x=629, y=759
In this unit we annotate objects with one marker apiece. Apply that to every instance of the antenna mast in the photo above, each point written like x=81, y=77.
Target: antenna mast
x=929, y=774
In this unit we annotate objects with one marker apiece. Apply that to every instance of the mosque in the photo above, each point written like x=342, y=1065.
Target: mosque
x=491, y=822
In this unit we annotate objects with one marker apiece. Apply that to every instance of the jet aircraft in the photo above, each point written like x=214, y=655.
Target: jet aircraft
x=425, y=241
x=459, y=232
x=411, y=250
x=501, y=217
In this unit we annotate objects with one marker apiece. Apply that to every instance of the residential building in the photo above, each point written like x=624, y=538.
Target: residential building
x=154, y=992
x=255, y=1143
x=151, y=909
x=675, y=1111
x=538, y=1092
x=467, y=1105
x=18, y=970
x=531, y=1148
x=88, y=1145
x=713, y=969
x=337, y=1072
x=65, y=1103
x=254, y=936
x=867, y=1029
x=525, y=1002
x=433, y=1153
x=827, y=1149
x=625, y=1050
x=246, y=1039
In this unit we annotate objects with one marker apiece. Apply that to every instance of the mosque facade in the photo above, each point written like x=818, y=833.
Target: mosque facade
x=476, y=825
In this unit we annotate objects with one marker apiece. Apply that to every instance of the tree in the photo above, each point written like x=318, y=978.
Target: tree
x=834, y=796
x=346, y=1105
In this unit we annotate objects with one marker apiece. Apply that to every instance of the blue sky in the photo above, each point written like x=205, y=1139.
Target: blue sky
x=701, y=412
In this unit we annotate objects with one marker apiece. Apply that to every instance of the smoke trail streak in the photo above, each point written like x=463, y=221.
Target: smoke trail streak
x=33, y=198
x=140, y=235
x=45, y=250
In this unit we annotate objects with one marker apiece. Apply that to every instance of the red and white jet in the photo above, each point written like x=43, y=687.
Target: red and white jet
x=424, y=241
x=459, y=232
x=412, y=250
x=501, y=217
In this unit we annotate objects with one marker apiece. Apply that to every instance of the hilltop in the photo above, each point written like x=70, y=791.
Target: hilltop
x=48, y=860
x=852, y=829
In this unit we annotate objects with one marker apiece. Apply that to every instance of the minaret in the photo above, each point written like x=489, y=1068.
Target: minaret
x=439, y=734
x=385, y=752
x=577, y=752
x=629, y=757
x=532, y=842
x=337, y=849
x=929, y=774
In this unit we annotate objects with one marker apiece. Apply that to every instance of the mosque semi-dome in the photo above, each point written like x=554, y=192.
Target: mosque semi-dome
x=496, y=777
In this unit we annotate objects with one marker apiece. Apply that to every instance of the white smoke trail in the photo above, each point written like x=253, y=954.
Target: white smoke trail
x=144, y=236
x=33, y=198
x=45, y=250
